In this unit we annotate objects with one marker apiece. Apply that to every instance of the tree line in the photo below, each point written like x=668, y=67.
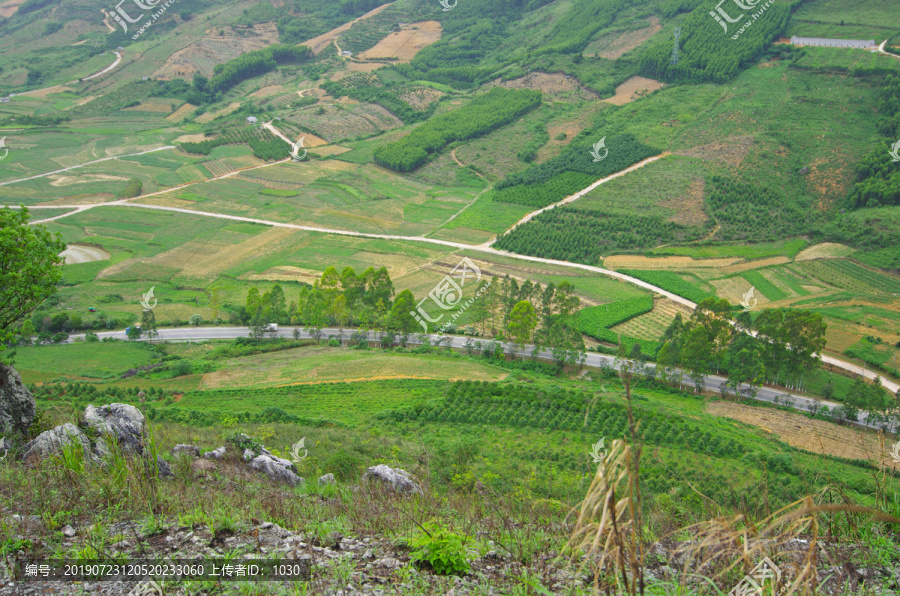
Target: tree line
x=877, y=180
x=482, y=115
x=784, y=350
x=252, y=64
x=520, y=313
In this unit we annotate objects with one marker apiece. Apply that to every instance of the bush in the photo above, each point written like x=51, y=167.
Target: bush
x=334, y=343
x=196, y=320
x=182, y=368
x=91, y=337
x=344, y=465
x=440, y=548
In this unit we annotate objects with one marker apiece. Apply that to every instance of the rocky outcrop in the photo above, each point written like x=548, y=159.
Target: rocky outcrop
x=51, y=442
x=215, y=454
x=16, y=402
x=396, y=480
x=186, y=450
x=275, y=468
x=326, y=479
x=121, y=423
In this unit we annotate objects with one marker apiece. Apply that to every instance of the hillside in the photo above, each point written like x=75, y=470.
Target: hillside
x=667, y=185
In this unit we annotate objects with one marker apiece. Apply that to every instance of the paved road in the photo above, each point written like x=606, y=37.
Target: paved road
x=711, y=382
x=483, y=248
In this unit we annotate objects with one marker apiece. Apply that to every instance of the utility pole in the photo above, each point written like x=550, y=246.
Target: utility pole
x=675, y=49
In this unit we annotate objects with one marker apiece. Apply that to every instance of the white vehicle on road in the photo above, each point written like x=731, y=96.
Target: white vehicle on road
x=271, y=327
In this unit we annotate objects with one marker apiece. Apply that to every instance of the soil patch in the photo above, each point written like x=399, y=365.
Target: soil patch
x=688, y=208
x=730, y=152
x=630, y=40
x=213, y=48
x=78, y=253
x=548, y=83
x=406, y=43
x=632, y=89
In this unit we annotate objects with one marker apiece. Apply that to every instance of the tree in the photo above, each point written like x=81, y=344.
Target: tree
x=133, y=333
x=148, y=324
x=29, y=269
x=522, y=322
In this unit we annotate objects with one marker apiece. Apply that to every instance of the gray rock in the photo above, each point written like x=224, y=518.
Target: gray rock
x=68, y=531
x=398, y=480
x=186, y=449
x=215, y=454
x=52, y=441
x=388, y=563
x=16, y=402
x=248, y=455
x=326, y=479
x=275, y=469
x=163, y=467
x=119, y=422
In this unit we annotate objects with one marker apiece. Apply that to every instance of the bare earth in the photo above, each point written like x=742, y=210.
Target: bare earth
x=212, y=48
x=633, y=89
x=406, y=43
x=630, y=40
x=547, y=83
x=9, y=8
x=799, y=431
x=76, y=253
x=317, y=44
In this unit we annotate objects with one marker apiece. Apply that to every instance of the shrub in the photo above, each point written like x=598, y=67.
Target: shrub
x=196, y=320
x=439, y=547
x=334, y=343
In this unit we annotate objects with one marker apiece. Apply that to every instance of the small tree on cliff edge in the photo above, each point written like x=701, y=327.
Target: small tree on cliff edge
x=29, y=269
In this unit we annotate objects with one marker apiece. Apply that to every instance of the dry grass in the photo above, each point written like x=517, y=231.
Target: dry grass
x=825, y=250
x=638, y=262
x=181, y=113
x=406, y=43
x=755, y=264
x=816, y=436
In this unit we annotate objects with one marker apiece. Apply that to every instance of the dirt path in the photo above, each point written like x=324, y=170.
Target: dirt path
x=581, y=193
x=295, y=147
x=96, y=74
x=881, y=50
x=87, y=163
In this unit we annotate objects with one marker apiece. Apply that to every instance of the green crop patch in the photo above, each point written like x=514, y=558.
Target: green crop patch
x=596, y=321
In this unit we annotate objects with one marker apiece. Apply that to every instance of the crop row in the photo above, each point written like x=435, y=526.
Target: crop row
x=671, y=282
x=596, y=321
